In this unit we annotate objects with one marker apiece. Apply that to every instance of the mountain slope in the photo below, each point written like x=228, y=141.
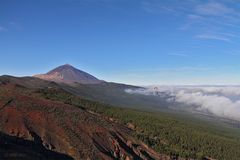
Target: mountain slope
x=15, y=148
x=111, y=93
x=85, y=85
x=114, y=93
x=68, y=74
x=64, y=128
x=69, y=124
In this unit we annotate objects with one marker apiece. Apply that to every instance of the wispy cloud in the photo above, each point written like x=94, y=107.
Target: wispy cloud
x=213, y=9
x=2, y=29
x=178, y=54
x=153, y=6
x=213, y=37
x=190, y=69
x=217, y=16
x=174, y=69
x=201, y=17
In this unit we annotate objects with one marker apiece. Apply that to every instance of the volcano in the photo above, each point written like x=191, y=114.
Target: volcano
x=68, y=74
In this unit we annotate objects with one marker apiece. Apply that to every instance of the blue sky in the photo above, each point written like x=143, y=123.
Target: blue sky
x=136, y=42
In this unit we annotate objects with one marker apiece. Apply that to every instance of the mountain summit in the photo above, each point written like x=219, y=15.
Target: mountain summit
x=68, y=74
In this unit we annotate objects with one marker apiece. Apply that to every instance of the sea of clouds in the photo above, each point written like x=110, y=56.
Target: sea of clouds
x=221, y=101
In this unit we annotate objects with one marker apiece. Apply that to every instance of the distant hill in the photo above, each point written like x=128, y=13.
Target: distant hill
x=68, y=74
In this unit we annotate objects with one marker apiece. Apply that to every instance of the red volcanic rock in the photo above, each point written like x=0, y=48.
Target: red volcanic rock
x=66, y=129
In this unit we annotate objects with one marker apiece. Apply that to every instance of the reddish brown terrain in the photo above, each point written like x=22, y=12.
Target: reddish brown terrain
x=46, y=129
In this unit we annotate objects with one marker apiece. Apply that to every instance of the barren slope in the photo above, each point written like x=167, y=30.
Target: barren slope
x=65, y=128
x=68, y=74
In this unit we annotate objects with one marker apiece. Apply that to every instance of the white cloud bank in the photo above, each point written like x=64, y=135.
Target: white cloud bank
x=222, y=101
